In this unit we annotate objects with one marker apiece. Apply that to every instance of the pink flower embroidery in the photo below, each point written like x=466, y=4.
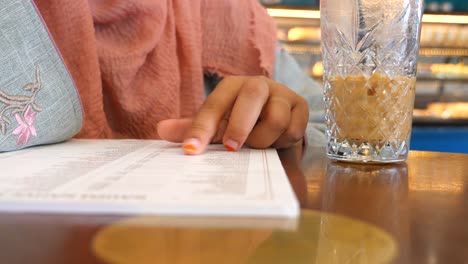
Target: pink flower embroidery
x=25, y=128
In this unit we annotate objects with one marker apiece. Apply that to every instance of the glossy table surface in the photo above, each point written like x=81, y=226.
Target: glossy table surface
x=420, y=205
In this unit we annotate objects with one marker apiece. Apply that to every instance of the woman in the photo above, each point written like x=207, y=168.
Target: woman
x=142, y=67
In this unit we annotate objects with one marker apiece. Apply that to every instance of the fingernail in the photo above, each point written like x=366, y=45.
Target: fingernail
x=191, y=146
x=231, y=145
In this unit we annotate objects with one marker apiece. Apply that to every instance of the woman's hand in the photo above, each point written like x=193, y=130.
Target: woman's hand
x=242, y=110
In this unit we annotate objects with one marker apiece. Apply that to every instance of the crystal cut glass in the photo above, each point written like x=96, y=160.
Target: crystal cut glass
x=369, y=50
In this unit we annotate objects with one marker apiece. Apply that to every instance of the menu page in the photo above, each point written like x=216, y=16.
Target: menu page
x=144, y=177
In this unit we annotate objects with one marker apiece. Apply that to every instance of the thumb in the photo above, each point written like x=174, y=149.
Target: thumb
x=174, y=130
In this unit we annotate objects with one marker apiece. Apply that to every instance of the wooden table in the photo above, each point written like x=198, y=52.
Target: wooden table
x=422, y=204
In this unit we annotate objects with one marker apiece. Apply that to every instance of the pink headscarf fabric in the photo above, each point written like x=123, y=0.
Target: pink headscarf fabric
x=138, y=62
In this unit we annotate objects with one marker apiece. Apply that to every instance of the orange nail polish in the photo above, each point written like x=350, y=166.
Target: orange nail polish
x=191, y=146
x=231, y=145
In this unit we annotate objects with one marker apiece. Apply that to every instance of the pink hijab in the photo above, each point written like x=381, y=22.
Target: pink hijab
x=138, y=62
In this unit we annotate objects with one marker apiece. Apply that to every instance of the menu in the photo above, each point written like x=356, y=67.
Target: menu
x=144, y=177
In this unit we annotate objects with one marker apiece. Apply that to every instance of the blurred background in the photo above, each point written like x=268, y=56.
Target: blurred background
x=440, y=118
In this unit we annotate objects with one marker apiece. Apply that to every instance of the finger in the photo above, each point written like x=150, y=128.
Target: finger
x=218, y=137
x=207, y=120
x=273, y=123
x=297, y=126
x=245, y=112
x=174, y=130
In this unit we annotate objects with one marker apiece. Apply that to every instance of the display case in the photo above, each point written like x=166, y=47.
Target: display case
x=442, y=86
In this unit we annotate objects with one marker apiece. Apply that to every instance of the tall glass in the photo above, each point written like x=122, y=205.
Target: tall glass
x=369, y=50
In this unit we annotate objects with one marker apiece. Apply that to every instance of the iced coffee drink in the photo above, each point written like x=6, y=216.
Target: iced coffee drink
x=370, y=116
